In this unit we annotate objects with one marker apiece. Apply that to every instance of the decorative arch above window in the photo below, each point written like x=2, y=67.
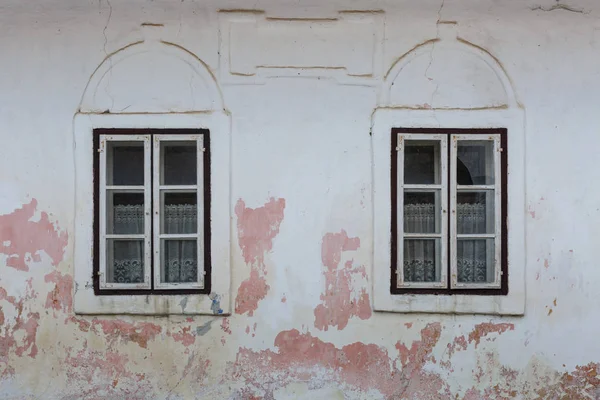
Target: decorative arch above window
x=145, y=101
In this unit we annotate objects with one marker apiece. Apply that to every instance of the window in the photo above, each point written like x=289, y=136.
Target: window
x=448, y=189
x=152, y=207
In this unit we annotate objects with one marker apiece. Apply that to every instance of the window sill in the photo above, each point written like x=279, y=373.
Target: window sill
x=512, y=304
x=86, y=302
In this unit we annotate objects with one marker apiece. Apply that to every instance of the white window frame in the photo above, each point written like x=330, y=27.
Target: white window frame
x=385, y=119
x=443, y=188
x=497, y=188
x=199, y=188
x=104, y=189
x=218, y=301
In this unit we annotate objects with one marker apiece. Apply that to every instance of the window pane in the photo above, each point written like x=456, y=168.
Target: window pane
x=124, y=212
x=125, y=163
x=422, y=260
x=180, y=261
x=421, y=162
x=179, y=163
x=475, y=162
x=475, y=260
x=125, y=261
x=422, y=212
x=475, y=212
x=180, y=212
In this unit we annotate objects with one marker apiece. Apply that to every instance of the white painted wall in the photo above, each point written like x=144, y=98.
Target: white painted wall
x=301, y=134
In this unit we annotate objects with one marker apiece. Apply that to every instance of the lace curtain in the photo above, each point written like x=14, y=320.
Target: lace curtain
x=419, y=255
x=179, y=256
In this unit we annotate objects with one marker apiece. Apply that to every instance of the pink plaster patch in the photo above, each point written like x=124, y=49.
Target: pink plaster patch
x=302, y=357
x=184, y=337
x=338, y=303
x=479, y=331
x=257, y=227
x=225, y=326
x=18, y=335
x=61, y=298
x=485, y=328
x=121, y=331
x=250, y=292
x=22, y=239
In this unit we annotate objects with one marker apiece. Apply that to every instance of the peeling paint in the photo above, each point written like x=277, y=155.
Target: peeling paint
x=301, y=357
x=61, y=298
x=23, y=239
x=338, y=302
x=118, y=331
x=256, y=230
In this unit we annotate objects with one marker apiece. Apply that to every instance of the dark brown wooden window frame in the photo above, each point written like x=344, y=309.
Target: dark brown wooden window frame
x=206, y=191
x=503, y=290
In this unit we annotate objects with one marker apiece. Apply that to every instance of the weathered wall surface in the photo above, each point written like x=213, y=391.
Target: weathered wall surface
x=301, y=94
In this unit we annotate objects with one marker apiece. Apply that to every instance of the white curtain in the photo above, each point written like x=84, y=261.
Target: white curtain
x=419, y=255
x=181, y=256
x=128, y=255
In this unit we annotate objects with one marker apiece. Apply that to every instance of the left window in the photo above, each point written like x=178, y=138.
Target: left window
x=152, y=211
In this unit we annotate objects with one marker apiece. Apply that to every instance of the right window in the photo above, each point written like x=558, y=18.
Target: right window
x=449, y=225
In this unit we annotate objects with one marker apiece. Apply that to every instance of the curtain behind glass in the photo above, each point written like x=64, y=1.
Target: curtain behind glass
x=419, y=255
x=181, y=256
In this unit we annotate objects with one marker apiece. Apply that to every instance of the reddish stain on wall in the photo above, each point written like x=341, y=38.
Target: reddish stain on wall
x=99, y=375
x=17, y=334
x=338, y=302
x=364, y=367
x=250, y=292
x=184, y=336
x=117, y=331
x=23, y=239
x=484, y=329
x=257, y=227
x=225, y=326
x=61, y=298
x=582, y=383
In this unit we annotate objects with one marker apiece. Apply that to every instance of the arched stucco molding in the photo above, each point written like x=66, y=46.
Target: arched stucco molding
x=448, y=73
x=151, y=76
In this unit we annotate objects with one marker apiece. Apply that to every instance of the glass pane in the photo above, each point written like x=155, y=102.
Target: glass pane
x=475, y=260
x=179, y=163
x=125, y=261
x=180, y=261
x=475, y=212
x=422, y=260
x=422, y=212
x=421, y=162
x=475, y=162
x=125, y=163
x=124, y=212
x=180, y=212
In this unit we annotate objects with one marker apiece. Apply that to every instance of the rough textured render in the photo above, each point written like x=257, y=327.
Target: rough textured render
x=300, y=82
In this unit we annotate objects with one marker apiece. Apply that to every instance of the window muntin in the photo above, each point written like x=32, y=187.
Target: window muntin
x=437, y=251
x=152, y=236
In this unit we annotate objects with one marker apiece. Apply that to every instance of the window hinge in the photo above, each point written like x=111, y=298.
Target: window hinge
x=203, y=149
x=101, y=148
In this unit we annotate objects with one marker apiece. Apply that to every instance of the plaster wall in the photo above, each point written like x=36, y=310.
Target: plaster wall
x=300, y=82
